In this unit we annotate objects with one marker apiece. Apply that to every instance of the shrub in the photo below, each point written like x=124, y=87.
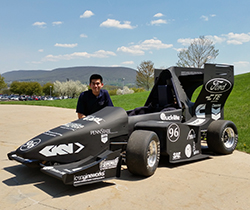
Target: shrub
x=138, y=90
x=112, y=92
x=124, y=91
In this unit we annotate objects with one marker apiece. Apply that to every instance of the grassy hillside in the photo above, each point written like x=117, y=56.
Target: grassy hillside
x=237, y=108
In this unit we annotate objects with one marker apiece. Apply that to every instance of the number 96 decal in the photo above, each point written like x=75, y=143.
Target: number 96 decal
x=173, y=132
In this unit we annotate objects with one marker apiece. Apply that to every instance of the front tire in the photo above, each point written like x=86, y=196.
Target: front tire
x=143, y=153
x=222, y=137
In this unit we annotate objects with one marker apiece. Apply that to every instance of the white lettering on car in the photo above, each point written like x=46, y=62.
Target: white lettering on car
x=174, y=117
x=92, y=118
x=109, y=164
x=72, y=126
x=89, y=177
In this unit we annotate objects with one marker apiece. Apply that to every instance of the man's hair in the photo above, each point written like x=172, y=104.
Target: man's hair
x=95, y=76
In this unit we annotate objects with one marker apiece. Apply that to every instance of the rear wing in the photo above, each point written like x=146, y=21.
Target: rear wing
x=217, y=85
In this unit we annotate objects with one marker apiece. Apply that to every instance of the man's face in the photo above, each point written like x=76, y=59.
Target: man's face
x=96, y=85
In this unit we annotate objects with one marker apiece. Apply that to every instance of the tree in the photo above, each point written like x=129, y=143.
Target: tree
x=27, y=88
x=69, y=88
x=200, y=51
x=15, y=87
x=33, y=88
x=2, y=83
x=145, y=75
x=48, y=88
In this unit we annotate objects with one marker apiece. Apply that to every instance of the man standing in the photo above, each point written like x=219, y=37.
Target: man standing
x=93, y=100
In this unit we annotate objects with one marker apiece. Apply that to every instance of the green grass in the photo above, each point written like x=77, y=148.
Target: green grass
x=127, y=102
x=237, y=107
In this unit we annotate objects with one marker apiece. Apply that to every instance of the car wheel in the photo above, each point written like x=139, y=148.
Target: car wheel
x=222, y=137
x=143, y=153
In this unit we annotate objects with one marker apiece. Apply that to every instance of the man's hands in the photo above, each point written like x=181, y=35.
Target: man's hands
x=80, y=115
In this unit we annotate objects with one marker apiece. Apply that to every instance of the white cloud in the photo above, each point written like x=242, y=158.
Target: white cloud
x=158, y=22
x=241, y=67
x=216, y=39
x=237, y=39
x=186, y=41
x=66, y=45
x=128, y=62
x=131, y=50
x=79, y=55
x=40, y=50
x=158, y=15
x=117, y=24
x=179, y=49
x=206, y=18
x=87, y=14
x=83, y=36
x=56, y=23
x=102, y=54
x=40, y=24
x=242, y=64
x=146, y=45
x=230, y=38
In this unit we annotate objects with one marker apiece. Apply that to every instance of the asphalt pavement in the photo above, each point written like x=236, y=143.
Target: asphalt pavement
x=218, y=182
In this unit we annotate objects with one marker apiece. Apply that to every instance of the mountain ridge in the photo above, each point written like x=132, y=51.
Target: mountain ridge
x=111, y=75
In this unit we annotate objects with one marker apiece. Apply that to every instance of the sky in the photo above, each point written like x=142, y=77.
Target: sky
x=49, y=34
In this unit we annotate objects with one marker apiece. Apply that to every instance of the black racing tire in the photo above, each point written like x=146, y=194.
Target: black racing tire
x=222, y=137
x=143, y=153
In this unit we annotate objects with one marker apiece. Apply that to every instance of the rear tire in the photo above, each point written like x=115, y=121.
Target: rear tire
x=143, y=153
x=222, y=137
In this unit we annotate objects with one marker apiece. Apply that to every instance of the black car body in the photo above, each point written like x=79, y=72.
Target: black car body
x=91, y=149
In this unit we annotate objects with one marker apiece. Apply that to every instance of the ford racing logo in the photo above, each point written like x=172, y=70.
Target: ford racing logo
x=218, y=85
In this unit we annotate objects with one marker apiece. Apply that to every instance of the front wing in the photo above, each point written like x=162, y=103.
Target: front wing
x=92, y=169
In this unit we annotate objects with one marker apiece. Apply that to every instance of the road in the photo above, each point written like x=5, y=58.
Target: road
x=219, y=182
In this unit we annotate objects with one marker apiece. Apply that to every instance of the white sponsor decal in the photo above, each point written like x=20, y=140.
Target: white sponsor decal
x=200, y=111
x=109, y=164
x=163, y=116
x=173, y=132
x=190, y=72
x=195, y=151
x=92, y=118
x=30, y=144
x=216, y=108
x=188, y=151
x=89, y=177
x=104, y=138
x=100, y=131
x=176, y=155
x=191, y=135
x=72, y=126
x=213, y=97
x=52, y=133
x=62, y=149
x=218, y=85
x=197, y=122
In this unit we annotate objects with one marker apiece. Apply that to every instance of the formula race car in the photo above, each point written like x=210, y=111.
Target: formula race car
x=93, y=149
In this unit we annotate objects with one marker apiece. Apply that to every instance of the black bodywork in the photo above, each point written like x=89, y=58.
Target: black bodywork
x=91, y=149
